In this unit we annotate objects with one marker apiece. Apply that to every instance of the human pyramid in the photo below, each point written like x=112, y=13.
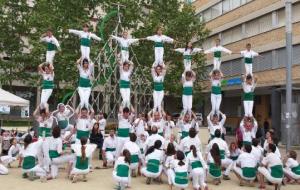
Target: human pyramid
x=147, y=145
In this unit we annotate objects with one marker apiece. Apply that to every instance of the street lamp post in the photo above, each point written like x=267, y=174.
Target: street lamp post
x=289, y=44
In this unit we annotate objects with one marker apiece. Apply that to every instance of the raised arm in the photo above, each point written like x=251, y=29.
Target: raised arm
x=180, y=50
x=223, y=118
x=197, y=50
x=71, y=111
x=151, y=38
x=56, y=43
x=168, y=39
x=43, y=38
x=118, y=39
x=76, y=32
x=40, y=68
x=210, y=50
x=95, y=37
x=132, y=41
x=225, y=50
x=36, y=113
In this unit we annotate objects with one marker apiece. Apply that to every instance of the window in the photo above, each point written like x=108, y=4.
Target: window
x=296, y=12
x=226, y=6
x=265, y=23
x=207, y=15
x=281, y=17
x=252, y=28
x=235, y=3
x=216, y=10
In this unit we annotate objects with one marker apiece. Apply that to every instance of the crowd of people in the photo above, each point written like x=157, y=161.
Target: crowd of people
x=147, y=144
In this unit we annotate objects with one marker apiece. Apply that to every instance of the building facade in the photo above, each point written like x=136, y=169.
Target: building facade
x=261, y=23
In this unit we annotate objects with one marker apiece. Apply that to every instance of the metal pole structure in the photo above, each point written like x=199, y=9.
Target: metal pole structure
x=289, y=46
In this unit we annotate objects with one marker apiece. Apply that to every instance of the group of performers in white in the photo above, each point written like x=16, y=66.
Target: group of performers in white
x=146, y=144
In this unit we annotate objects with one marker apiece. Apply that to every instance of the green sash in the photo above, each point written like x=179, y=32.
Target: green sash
x=51, y=47
x=142, y=150
x=184, y=134
x=248, y=60
x=63, y=124
x=249, y=172
x=84, y=82
x=217, y=54
x=222, y=154
x=44, y=132
x=110, y=149
x=246, y=143
x=181, y=178
x=122, y=170
x=80, y=134
x=124, y=84
x=123, y=132
x=159, y=44
x=134, y=158
x=158, y=86
x=296, y=170
x=216, y=90
x=186, y=153
x=196, y=164
x=187, y=57
x=124, y=48
x=277, y=171
x=214, y=170
x=28, y=162
x=234, y=158
x=188, y=90
x=249, y=96
x=153, y=166
x=161, y=134
x=82, y=164
x=85, y=42
x=48, y=84
x=53, y=154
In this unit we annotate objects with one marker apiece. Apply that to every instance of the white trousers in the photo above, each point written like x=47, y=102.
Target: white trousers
x=171, y=178
x=198, y=176
x=239, y=171
x=291, y=174
x=216, y=100
x=38, y=170
x=3, y=170
x=265, y=172
x=84, y=94
x=248, y=108
x=122, y=181
x=248, y=69
x=125, y=93
x=187, y=102
x=45, y=95
x=217, y=64
x=50, y=56
x=146, y=173
x=158, y=97
x=56, y=162
x=187, y=65
x=228, y=164
x=7, y=159
x=124, y=56
x=85, y=52
x=120, y=143
x=110, y=157
x=159, y=56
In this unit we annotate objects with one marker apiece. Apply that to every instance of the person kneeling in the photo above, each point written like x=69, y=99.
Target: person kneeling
x=121, y=173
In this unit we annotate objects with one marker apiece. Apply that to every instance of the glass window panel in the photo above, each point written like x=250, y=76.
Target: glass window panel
x=216, y=10
x=237, y=33
x=227, y=37
x=207, y=15
x=235, y=3
x=296, y=12
x=281, y=17
x=265, y=23
x=226, y=6
x=252, y=28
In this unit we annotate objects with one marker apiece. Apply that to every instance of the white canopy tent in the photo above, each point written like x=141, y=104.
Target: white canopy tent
x=9, y=99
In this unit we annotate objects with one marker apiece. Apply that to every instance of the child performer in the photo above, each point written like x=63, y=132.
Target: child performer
x=217, y=51
x=158, y=75
x=216, y=92
x=185, y=123
x=63, y=115
x=248, y=55
x=83, y=123
x=159, y=39
x=121, y=173
x=83, y=153
x=292, y=168
x=126, y=69
x=86, y=69
x=235, y=151
x=52, y=46
x=13, y=152
x=47, y=72
x=109, y=149
x=215, y=123
x=197, y=167
x=188, y=52
x=124, y=42
x=215, y=164
x=85, y=40
x=248, y=87
x=188, y=78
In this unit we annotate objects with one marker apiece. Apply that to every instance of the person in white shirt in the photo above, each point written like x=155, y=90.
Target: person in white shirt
x=292, y=168
x=85, y=40
x=135, y=153
x=272, y=139
x=159, y=39
x=172, y=140
x=125, y=69
x=245, y=168
x=13, y=153
x=197, y=168
x=125, y=119
x=63, y=115
x=121, y=172
x=248, y=127
x=109, y=149
x=86, y=70
x=83, y=153
x=188, y=53
x=125, y=43
x=153, y=138
x=248, y=55
x=217, y=53
x=3, y=169
x=178, y=172
x=100, y=119
x=214, y=164
x=140, y=125
x=52, y=45
x=224, y=152
x=158, y=74
x=187, y=79
x=169, y=156
x=186, y=122
x=216, y=91
x=249, y=84
x=169, y=127
x=154, y=160
x=47, y=72
x=84, y=125
x=257, y=151
x=143, y=146
x=271, y=168
x=187, y=142
x=215, y=123
x=157, y=118
x=235, y=151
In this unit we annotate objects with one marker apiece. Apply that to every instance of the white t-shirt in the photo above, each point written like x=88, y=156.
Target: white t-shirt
x=271, y=159
x=246, y=160
x=187, y=142
x=154, y=137
x=109, y=142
